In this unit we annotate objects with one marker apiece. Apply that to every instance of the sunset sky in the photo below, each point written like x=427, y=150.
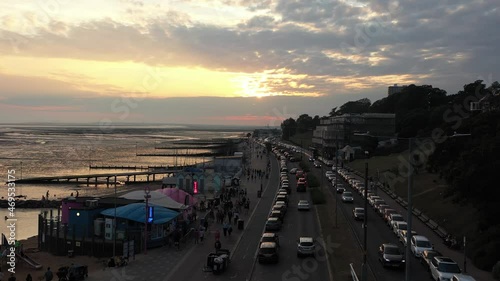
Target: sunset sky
x=232, y=62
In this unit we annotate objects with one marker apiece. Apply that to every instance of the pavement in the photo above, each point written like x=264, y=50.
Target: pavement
x=186, y=263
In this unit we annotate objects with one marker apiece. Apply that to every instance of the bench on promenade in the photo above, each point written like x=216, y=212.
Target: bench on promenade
x=399, y=199
x=416, y=212
x=423, y=217
x=393, y=195
x=403, y=203
x=432, y=224
x=441, y=232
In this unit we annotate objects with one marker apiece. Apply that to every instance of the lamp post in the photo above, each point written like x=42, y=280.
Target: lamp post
x=365, y=225
x=336, y=178
x=146, y=196
x=465, y=257
x=409, y=211
x=114, y=226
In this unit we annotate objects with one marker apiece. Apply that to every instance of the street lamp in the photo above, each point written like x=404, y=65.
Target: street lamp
x=114, y=226
x=146, y=196
x=365, y=223
x=336, y=178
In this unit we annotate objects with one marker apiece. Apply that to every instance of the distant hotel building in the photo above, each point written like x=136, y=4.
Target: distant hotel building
x=395, y=89
x=341, y=130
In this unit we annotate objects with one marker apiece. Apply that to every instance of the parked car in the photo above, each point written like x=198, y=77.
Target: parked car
x=390, y=255
x=317, y=164
x=270, y=237
x=427, y=256
x=394, y=218
x=273, y=224
x=305, y=246
x=340, y=188
x=399, y=226
x=387, y=214
x=303, y=205
x=358, y=213
x=268, y=252
x=443, y=268
x=402, y=236
x=419, y=244
x=277, y=214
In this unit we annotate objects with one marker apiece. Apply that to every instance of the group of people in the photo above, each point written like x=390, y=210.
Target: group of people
x=48, y=276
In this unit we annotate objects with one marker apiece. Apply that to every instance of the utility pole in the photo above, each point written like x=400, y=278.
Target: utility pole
x=409, y=210
x=364, y=276
x=114, y=227
x=336, y=178
x=146, y=196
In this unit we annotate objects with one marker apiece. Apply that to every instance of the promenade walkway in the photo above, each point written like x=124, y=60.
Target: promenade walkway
x=169, y=263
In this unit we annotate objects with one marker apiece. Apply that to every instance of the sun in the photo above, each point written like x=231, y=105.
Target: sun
x=253, y=86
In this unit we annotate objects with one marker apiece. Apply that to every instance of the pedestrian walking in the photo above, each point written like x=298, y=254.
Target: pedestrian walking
x=217, y=235
x=225, y=227
x=218, y=245
x=12, y=277
x=48, y=275
x=236, y=217
x=29, y=278
x=229, y=230
x=202, y=234
x=196, y=236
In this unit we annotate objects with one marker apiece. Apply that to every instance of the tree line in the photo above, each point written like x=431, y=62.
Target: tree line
x=469, y=164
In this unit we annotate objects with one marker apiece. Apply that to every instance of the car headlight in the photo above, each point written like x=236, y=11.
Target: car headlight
x=402, y=260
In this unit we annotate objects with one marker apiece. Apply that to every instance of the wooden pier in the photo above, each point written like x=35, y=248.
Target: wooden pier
x=111, y=167
x=94, y=179
x=201, y=154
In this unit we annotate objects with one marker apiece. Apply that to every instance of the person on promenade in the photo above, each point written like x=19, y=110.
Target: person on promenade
x=1, y=274
x=29, y=278
x=218, y=245
x=12, y=277
x=217, y=235
x=225, y=227
x=196, y=234
x=48, y=275
x=202, y=234
x=229, y=230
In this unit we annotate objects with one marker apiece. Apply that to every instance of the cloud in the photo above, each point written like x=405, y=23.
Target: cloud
x=325, y=49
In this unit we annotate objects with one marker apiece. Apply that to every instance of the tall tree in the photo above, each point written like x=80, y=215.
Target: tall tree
x=304, y=123
x=288, y=128
x=359, y=106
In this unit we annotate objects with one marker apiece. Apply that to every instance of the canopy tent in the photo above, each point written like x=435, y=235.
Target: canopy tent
x=137, y=212
x=157, y=198
x=179, y=196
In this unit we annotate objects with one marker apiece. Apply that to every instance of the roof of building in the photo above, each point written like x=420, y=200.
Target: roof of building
x=137, y=212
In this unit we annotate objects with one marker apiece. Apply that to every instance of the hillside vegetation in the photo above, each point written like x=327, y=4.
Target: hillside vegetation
x=455, y=175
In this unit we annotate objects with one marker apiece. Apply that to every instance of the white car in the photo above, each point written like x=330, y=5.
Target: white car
x=347, y=197
x=443, y=268
x=419, y=244
x=305, y=246
x=303, y=205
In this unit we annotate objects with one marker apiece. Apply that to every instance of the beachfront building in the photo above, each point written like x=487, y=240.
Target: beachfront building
x=336, y=132
x=84, y=225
